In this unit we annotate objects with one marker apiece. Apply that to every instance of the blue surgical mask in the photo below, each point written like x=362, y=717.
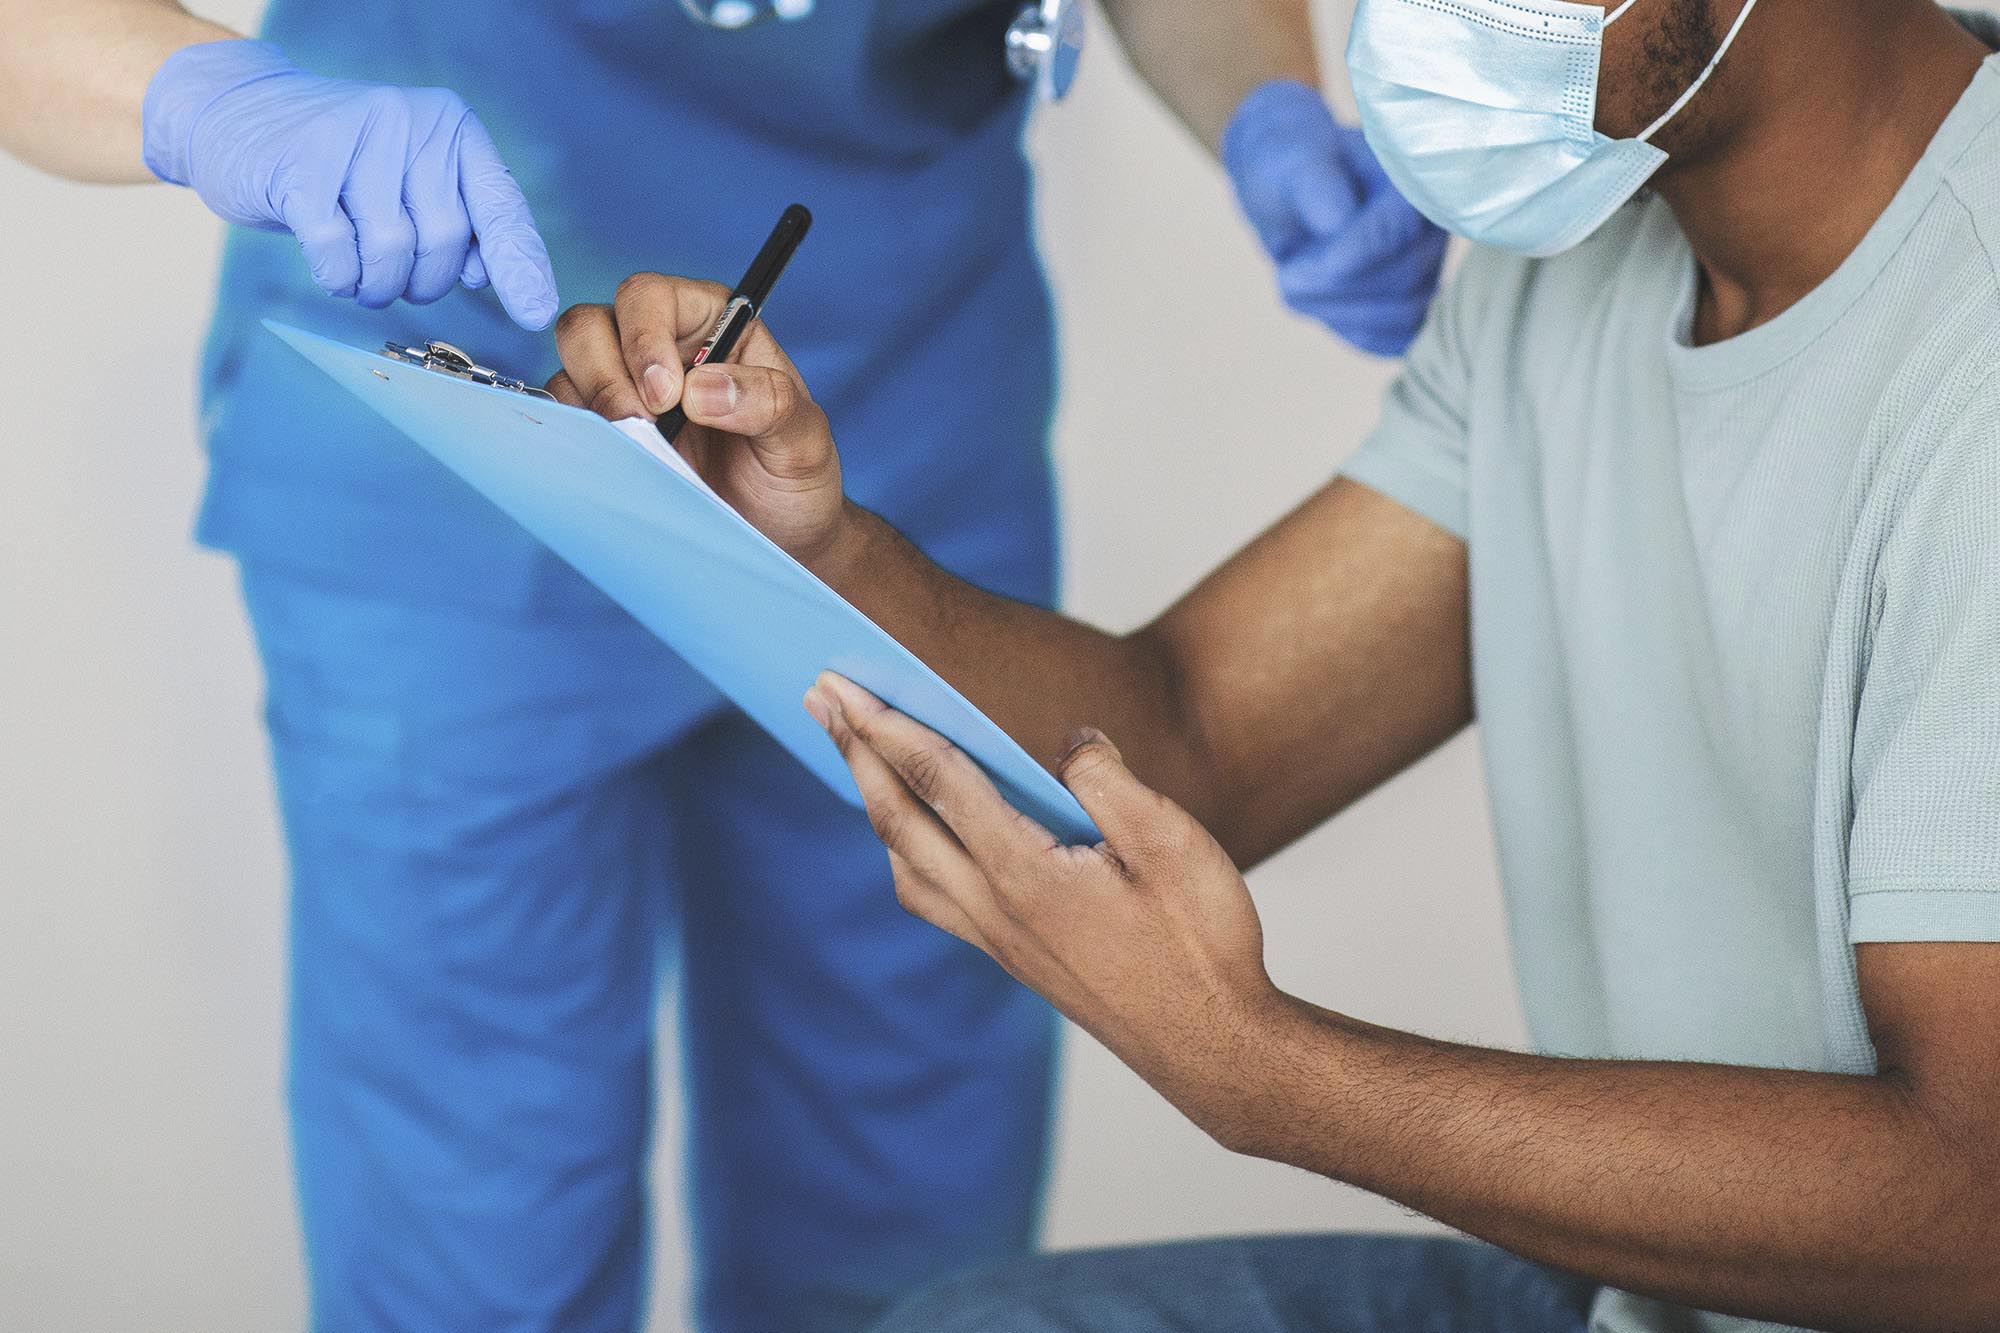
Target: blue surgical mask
x=1482, y=111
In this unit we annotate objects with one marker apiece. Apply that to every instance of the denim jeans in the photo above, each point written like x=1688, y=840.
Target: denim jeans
x=1267, y=1284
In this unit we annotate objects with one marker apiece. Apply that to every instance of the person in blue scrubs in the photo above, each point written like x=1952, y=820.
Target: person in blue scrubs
x=510, y=811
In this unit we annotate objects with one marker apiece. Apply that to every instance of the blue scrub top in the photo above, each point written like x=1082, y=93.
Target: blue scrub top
x=646, y=140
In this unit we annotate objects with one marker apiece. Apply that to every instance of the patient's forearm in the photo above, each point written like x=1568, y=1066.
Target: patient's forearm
x=73, y=74
x=1833, y=1201
x=1309, y=668
x=1036, y=673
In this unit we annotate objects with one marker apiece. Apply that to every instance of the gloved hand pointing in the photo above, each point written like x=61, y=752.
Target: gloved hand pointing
x=1350, y=251
x=391, y=192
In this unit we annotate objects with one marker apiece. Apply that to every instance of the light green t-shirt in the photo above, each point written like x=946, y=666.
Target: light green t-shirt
x=1735, y=619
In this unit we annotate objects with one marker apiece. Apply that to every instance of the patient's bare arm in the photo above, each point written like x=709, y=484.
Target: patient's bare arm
x=1310, y=667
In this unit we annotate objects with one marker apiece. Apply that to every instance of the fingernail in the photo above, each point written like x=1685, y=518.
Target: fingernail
x=845, y=693
x=712, y=392
x=1081, y=737
x=816, y=706
x=847, y=701
x=659, y=386
x=837, y=725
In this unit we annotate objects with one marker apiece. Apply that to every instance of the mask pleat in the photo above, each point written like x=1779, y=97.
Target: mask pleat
x=1480, y=113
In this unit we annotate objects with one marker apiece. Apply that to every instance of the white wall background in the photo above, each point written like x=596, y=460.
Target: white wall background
x=143, y=1174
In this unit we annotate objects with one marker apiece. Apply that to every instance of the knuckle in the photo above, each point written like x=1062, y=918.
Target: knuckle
x=572, y=322
x=385, y=102
x=924, y=771
x=782, y=397
x=1169, y=840
x=611, y=400
x=808, y=444
x=386, y=242
x=642, y=287
x=444, y=236
x=1179, y=838
x=322, y=234
x=887, y=822
x=1086, y=759
x=754, y=413
x=294, y=206
x=1031, y=834
x=445, y=103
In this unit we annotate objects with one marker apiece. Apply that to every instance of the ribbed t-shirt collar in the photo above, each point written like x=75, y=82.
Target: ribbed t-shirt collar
x=1748, y=354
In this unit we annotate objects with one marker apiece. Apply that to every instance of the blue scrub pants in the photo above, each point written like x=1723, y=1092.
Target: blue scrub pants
x=1261, y=1284
x=495, y=823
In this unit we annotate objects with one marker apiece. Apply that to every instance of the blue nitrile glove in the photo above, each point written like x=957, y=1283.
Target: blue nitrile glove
x=391, y=192
x=1350, y=251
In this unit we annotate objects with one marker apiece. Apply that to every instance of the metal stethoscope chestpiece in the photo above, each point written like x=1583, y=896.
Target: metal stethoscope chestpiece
x=730, y=15
x=1044, y=43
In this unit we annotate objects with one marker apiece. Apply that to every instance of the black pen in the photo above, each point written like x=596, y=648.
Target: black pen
x=744, y=302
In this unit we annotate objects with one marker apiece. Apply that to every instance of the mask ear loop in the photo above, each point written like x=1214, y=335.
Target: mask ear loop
x=1618, y=13
x=1695, y=87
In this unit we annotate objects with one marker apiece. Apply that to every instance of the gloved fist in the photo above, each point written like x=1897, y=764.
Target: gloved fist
x=1350, y=251
x=391, y=192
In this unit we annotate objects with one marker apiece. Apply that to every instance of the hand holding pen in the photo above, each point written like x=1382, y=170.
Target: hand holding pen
x=745, y=302
x=680, y=351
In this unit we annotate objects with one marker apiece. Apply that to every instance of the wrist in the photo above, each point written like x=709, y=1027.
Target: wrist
x=1276, y=108
x=185, y=85
x=1281, y=1087
x=844, y=548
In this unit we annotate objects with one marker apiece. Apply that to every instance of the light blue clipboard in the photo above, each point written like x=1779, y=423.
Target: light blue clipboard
x=690, y=569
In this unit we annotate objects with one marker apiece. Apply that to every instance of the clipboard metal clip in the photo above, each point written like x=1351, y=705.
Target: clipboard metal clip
x=448, y=360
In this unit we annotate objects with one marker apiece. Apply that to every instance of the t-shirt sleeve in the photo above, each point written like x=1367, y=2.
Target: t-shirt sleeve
x=1416, y=455
x=1924, y=848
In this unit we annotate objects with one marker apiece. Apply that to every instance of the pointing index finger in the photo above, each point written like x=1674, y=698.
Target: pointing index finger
x=511, y=249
